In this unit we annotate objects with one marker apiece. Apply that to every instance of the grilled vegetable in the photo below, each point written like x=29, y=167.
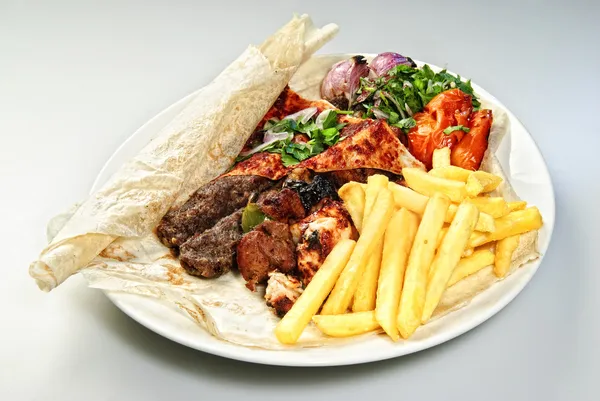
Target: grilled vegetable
x=251, y=217
x=384, y=62
x=343, y=80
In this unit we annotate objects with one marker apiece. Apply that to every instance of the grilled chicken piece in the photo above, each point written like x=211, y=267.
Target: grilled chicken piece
x=369, y=144
x=318, y=233
x=282, y=292
x=267, y=248
x=469, y=152
x=264, y=164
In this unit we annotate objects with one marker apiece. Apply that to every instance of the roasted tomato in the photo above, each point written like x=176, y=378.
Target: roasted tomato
x=469, y=152
x=449, y=108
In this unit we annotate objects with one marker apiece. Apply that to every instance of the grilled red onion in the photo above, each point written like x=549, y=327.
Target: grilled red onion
x=343, y=80
x=384, y=62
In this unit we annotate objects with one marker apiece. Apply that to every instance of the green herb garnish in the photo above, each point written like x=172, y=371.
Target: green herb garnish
x=405, y=90
x=320, y=139
x=453, y=128
x=405, y=124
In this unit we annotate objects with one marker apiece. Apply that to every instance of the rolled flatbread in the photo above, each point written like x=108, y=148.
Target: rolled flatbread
x=199, y=144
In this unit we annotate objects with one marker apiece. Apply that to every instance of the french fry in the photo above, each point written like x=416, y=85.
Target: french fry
x=428, y=185
x=481, y=181
x=504, y=251
x=478, y=238
x=421, y=255
x=408, y=198
x=514, y=223
x=441, y=236
x=441, y=157
x=490, y=246
x=494, y=206
x=474, y=187
x=518, y=205
x=448, y=256
x=353, y=195
x=345, y=287
x=290, y=327
x=451, y=172
x=374, y=184
x=471, y=265
x=346, y=325
x=364, y=298
x=398, y=240
x=416, y=202
x=468, y=252
x=366, y=292
x=485, y=222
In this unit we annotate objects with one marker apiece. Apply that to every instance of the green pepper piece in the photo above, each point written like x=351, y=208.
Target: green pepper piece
x=251, y=217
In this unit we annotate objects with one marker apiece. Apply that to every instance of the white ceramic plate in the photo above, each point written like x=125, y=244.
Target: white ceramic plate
x=529, y=176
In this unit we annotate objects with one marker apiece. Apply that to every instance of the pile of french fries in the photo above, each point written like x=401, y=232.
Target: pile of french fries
x=415, y=241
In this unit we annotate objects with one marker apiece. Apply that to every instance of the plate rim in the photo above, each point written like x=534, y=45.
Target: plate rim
x=274, y=357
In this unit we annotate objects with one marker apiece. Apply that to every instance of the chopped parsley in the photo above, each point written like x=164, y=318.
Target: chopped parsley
x=453, y=128
x=404, y=91
x=405, y=124
x=322, y=131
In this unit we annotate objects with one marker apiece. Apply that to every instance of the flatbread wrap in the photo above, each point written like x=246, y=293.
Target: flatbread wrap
x=198, y=144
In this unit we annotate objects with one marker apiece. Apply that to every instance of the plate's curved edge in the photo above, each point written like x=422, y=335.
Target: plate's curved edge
x=277, y=358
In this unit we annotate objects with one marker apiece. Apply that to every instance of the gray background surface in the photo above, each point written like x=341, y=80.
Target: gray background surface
x=77, y=78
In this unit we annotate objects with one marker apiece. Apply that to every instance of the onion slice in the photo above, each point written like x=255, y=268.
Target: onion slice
x=302, y=116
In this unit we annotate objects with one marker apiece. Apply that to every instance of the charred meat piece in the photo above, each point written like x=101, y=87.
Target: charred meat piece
x=318, y=233
x=212, y=252
x=267, y=248
x=282, y=292
x=299, y=174
x=282, y=205
x=312, y=191
x=209, y=204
